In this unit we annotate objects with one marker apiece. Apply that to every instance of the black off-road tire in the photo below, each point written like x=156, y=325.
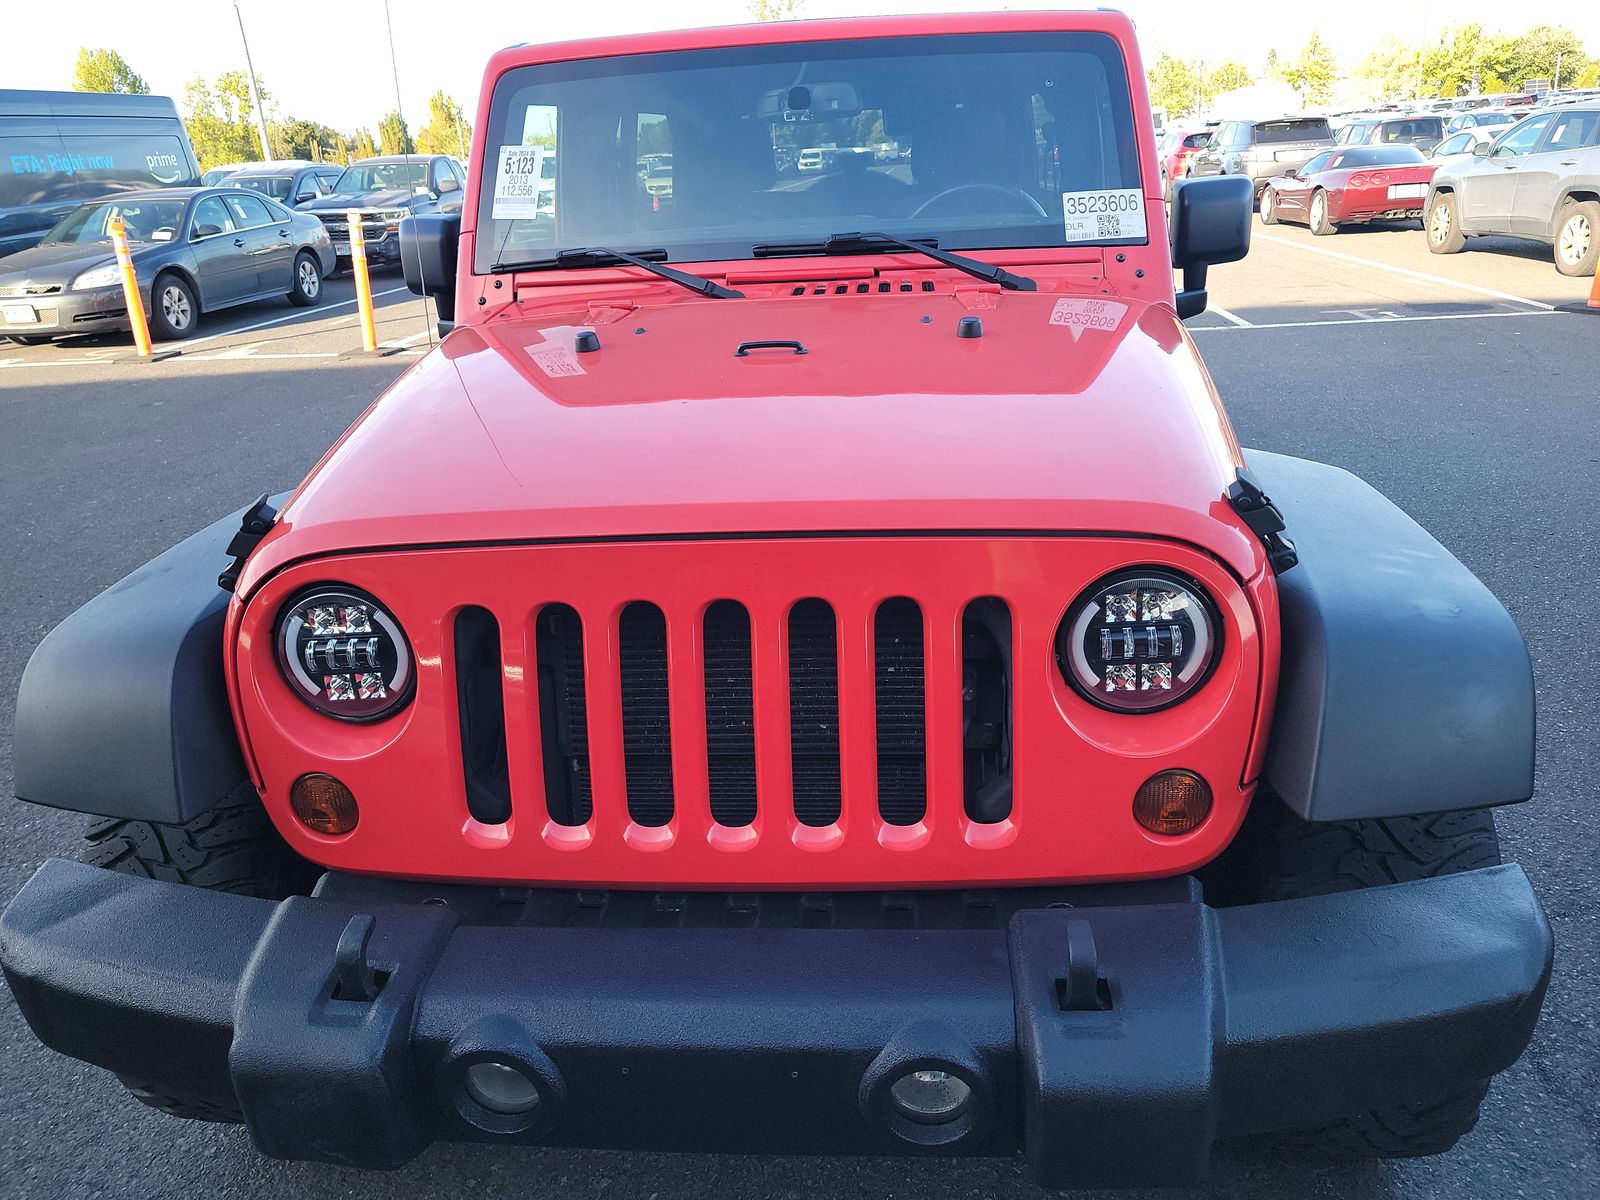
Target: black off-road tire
x=179, y=1106
x=1278, y=856
x=230, y=848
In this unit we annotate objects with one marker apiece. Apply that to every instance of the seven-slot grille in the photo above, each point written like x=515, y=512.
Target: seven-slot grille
x=726, y=720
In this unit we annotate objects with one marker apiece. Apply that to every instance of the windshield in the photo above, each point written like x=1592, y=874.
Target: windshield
x=383, y=177
x=996, y=140
x=276, y=186
x=145, y=221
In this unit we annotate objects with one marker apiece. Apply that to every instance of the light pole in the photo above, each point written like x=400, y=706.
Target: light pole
x=255, y=88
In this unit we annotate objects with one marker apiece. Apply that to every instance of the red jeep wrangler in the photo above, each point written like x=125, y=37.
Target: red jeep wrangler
x=803, y=666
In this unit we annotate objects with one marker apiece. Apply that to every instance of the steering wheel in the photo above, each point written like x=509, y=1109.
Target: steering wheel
x=1023, y=201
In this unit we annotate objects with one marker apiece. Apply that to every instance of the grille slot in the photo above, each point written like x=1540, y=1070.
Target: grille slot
x=563, y=715
x=814, y=711
x=986, y=675
x=646, y=723
x=480, y=696
x=898, y=675
x=730, y=714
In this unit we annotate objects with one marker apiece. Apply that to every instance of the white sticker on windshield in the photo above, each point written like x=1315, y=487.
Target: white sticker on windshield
x=1110, y=216
x=516, y=182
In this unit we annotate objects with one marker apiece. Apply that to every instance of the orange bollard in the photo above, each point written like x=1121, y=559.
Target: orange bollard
x=1594, y=294
x=358, y=267
x=130, y=287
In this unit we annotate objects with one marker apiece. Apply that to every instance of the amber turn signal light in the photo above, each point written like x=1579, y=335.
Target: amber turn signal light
x=324, y=805
x=1172, y=802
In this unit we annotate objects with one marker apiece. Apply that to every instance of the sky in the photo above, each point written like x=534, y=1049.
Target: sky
x=314, y=70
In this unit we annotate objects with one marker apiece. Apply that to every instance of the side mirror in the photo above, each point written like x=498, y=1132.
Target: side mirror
x=203, y=231
x=1292, y=173
x=1210, y=224
x=428, y=243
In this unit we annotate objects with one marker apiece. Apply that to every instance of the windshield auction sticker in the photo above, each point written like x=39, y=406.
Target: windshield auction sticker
x=1112, y=216
x=1080, y=313
x=516, y=183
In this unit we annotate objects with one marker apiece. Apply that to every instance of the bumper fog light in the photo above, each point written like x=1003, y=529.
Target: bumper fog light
x=930, y=1097
x=323, y=805
x=1172, y=803
x=501, y=1088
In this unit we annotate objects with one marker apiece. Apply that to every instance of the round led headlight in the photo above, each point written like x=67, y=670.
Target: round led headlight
x=1139, y=640
x=344, y=655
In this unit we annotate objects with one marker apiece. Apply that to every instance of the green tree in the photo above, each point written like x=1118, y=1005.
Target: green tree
x=341, y=150
x=1390, y=69
x=774, y=10
x=1174, y=86
x=300, y=138
x=1534, y=55
x=106, y=71
x=394, y=137
x=1314, y=73
x=447, y=131
x=1228, y=77
x=221, y=119
x=361, y=144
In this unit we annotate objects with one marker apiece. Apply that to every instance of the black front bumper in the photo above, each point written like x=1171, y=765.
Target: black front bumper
x=1113, y=1042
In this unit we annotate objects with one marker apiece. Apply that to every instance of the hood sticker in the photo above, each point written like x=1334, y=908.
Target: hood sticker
x=516, y=183
x=1080, y=313
x=1106, y=216
x=555, y=355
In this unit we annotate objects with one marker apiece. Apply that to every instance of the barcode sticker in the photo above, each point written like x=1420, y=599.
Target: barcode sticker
x=516, y=182
x=1106, y=216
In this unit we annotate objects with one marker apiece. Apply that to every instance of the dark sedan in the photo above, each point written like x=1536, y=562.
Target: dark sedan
x=291, y=187
x=194, y=250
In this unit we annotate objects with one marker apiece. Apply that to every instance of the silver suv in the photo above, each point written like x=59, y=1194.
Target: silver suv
x=1538, y=180
x=1262, y=149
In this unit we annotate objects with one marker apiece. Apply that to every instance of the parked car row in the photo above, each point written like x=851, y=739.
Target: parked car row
x=194, y=251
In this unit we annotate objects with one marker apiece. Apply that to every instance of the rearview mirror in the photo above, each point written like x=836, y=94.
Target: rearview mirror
x=1210, y=224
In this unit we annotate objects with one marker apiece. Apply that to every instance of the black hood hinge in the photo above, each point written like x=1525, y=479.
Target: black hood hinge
x=1258, y=511
x=257, y=521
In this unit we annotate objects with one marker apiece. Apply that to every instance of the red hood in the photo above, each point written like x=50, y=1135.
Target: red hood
x=889, y=421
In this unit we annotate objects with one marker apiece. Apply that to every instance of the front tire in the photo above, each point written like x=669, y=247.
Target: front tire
x=1279, y=856
x=307, y=286
x=174, y=312
x=1577, y=248
x=1320, y=225
x=1269, y=207
x=230, y=848
x=1443, y=224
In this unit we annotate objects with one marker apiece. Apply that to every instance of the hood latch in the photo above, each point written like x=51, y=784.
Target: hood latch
x=1258, y=511
x=257, y=521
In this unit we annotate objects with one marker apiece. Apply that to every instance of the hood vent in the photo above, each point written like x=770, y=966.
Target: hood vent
x=882, y=286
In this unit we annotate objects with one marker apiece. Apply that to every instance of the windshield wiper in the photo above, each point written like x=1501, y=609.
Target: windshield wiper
x=866, y=243
x=601, y=256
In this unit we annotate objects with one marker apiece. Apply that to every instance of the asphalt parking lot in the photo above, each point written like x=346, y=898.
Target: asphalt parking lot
x=1452, y=384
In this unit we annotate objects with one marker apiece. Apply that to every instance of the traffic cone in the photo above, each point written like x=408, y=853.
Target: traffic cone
x=1593, y=307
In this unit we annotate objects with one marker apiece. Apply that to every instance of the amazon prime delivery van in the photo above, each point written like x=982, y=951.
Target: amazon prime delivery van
x=60, y=148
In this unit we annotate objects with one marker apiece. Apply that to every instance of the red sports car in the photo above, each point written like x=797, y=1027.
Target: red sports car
x=1351, y=186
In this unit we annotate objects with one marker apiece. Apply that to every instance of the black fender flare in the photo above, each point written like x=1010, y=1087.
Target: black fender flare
x=123, y=710
x=1404, y=687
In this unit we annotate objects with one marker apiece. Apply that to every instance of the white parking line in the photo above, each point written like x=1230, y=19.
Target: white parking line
x=1373, y=264
x=1231, y=318
x=307, y=313
x=1371, y=321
